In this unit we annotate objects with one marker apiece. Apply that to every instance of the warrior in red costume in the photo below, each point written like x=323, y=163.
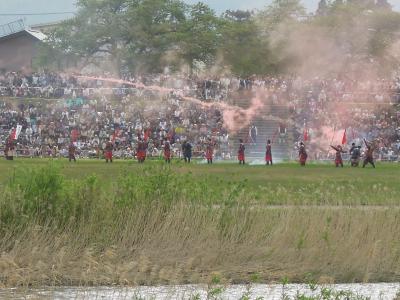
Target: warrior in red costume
x=9, y=149
x=302, y=154
x=108, y=152
x=268, y=153
x=369, y=154
x=141, y=151
x=241, y=156
x=167, y=151
x=71, y=152
x=210, y=151
x=338, y=157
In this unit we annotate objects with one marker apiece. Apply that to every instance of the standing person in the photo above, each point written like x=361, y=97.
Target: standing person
x=108, y=152
x=338, y=155
x=9, y=149
x=369, y=154
x=209, y=152
x=71, y=152
x=253, y=133
x=268, y=153
x=187, y=151
x=241, y=154
x=55, y=152
x=183, y=149
x=141, y=151
x=355, y=154
x=302, y=154
x=167, y=151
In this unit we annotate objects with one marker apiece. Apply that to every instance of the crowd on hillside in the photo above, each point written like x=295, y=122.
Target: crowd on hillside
x=368, y=110
x=48, y=127
x=92, y=111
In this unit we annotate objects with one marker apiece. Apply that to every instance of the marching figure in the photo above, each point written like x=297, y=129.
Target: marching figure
x=141, y=151
x=108, y=152
x=302, y=154
x=167, y=151
x=187, y=151
x=209, y=152
x=338, y=158
x=71, y=152
x=268, y=153
x=369, y=154
x=355, y=154
x=9, y=149
x=241, y=156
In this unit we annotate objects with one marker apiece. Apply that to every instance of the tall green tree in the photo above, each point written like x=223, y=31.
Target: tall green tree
x=277, y=22
x=242, y=49
x=200, y=36
x=322, y=8
x=282, y=11
x=95, y=32
x=133, y=34
x=155, y=30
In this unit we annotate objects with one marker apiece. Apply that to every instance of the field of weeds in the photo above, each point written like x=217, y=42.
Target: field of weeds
x=92, y=224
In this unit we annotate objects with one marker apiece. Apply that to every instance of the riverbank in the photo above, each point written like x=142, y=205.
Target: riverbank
x=377, y=291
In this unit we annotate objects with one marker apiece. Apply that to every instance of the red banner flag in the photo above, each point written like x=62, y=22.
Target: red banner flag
x=147, y=134
x=115, y=135
x=74, y=135
x=305, y=135
x=13, y=134
x=344, y=139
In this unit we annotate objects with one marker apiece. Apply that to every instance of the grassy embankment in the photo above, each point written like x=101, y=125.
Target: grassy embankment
x=153, y=224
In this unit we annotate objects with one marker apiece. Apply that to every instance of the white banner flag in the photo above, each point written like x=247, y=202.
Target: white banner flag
x=18, y=131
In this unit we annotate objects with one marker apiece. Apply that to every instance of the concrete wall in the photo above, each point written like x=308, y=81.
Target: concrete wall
x=17, y=52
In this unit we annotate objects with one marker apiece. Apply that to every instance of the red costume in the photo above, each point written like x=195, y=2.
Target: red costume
x=303, y=155
x=71, y=152
x=338, y=156
x=209, y=153
x=108, y=153
x=268, y=154
x=167, y=151
x=9, y=149
x=369, y=154
x=141, y=151
x=241, y=156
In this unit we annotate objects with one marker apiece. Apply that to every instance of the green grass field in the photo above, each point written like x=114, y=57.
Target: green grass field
x=93, y=223
x=316, y=184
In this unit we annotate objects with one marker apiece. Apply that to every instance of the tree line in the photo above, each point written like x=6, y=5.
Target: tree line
x=148, y=36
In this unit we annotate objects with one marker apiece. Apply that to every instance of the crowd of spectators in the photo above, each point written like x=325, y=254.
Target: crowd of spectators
x=365, y=109
x=48, y=126
x=92, y=111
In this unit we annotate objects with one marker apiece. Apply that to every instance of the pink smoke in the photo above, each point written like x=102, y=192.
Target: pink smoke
x=235, y=118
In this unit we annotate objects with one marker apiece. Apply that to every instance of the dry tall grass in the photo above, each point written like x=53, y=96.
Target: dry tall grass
x=123, y=239
x=186, y=244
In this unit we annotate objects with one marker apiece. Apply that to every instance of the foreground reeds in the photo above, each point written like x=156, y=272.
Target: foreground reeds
x=162, y=227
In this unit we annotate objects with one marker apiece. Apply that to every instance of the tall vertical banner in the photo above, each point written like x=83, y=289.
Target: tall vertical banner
x=18, y=132
x=305, y=135
x=13, y=133
x=344, y=138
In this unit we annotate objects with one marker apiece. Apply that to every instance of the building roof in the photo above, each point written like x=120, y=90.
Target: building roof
x=37, y=34
x=12, y=27
x=33, y=33
x=18, y=28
